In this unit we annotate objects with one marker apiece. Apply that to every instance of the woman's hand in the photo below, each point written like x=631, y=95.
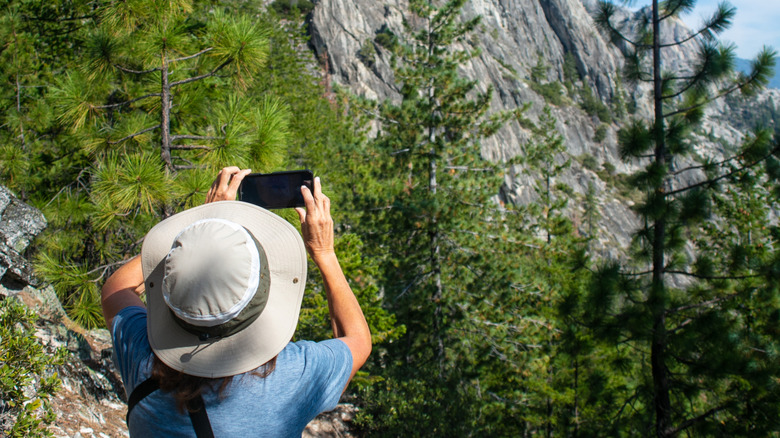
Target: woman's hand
x=226, y=185
x=316, y=222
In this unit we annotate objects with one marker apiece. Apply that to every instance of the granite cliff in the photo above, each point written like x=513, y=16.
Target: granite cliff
x=513, y=38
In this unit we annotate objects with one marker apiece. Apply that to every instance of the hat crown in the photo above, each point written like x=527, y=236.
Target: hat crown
x=211, y=272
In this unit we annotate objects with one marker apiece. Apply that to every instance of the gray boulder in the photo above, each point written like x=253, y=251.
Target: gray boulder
x=19, y=224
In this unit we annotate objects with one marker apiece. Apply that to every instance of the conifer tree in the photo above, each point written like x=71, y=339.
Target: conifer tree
x=38, y=39
x=546, y=159
x=690, y=313
x=157, y=105
x=451, y=255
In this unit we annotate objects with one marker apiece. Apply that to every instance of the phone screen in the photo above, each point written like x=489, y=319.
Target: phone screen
x=275, y=190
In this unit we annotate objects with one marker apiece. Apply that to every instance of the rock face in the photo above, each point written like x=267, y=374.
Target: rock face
x=512, y=37
x=19, y=224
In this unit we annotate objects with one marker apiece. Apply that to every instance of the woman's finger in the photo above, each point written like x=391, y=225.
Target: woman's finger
x=308, y=199
x=236, y=179
x=301, y=214
x=225, y=174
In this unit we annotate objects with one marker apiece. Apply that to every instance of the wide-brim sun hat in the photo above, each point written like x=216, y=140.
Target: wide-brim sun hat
x=224, y=284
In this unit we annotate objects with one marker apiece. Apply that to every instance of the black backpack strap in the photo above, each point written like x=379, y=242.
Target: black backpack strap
x=140, y=392
x=200, y=418
x=196, y=408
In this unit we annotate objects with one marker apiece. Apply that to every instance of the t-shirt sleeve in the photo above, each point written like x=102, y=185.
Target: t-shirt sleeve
x=131, y=345
x=329, y=364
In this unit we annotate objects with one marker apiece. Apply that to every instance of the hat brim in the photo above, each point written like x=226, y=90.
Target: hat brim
x=268, y=334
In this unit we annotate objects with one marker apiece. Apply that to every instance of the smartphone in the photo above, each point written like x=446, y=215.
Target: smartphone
x=276, y=190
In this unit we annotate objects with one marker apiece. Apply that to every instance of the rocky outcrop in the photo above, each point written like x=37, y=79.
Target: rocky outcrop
x=19, y=224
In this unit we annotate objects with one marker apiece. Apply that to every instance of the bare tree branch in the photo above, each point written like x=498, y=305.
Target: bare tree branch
x=194, y=137
x=136, y=72
x=203, y=76
x=192, y=56
x=190, y=147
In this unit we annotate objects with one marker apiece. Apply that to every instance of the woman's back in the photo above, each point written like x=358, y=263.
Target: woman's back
x=304, y=383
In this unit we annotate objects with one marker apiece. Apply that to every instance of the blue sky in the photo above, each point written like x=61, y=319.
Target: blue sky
x=756, y=24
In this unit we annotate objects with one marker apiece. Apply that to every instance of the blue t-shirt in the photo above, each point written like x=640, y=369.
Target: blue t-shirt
x=308, y=379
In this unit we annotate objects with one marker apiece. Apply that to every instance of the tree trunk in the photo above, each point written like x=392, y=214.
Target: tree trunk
x=434, y=230
x=165, y=121
x=657, y=297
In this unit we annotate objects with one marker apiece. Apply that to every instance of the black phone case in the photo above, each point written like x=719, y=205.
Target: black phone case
x=275, y=190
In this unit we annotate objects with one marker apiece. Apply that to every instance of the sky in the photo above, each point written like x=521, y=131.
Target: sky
x=756, y=24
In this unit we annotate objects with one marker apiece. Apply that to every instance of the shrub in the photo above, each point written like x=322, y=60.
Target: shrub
x=590, y=162
x=27, y=381
x=367, y=54
x=592, y=105
x=601, y=133
x=386, y=38
x=552, y=92
x=292, y=7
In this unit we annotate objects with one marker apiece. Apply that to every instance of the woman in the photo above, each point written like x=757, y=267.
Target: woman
x=224, y=284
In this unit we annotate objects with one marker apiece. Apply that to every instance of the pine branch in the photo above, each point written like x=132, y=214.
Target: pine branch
x=134, y=135
x=721, y=163
x=193, y=137
x=127, y=102
x=693, y=81
x=185, y=58
x=190, y=147
x=707, y=277
x=616, y=33
x=702, y=304
x=203, y=76
x=104, y=268
x=78, y=177
x=413, y=283
x=690, y=422
x=672, y=12
x=725, y=92
x=684, y=40
x=726, y=175
x=471, y=169
x=628, y=402
x=137, y=72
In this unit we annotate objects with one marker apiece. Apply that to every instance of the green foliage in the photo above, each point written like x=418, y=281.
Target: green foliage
x=592, y=104
x=386, y=38
x=27, y=376
x=292, y=8
x=363, y=272
x=570, y=72
x=552, y=92
x=367, y=53
x=545, y=158
x=687, y=301
x=163, y=94
x=600, y=134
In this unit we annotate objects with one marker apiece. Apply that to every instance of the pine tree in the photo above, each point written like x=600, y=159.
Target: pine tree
x=38, y=43
x=545, y=158
x=687, y=316
x=161, y=99
x=450, y=252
